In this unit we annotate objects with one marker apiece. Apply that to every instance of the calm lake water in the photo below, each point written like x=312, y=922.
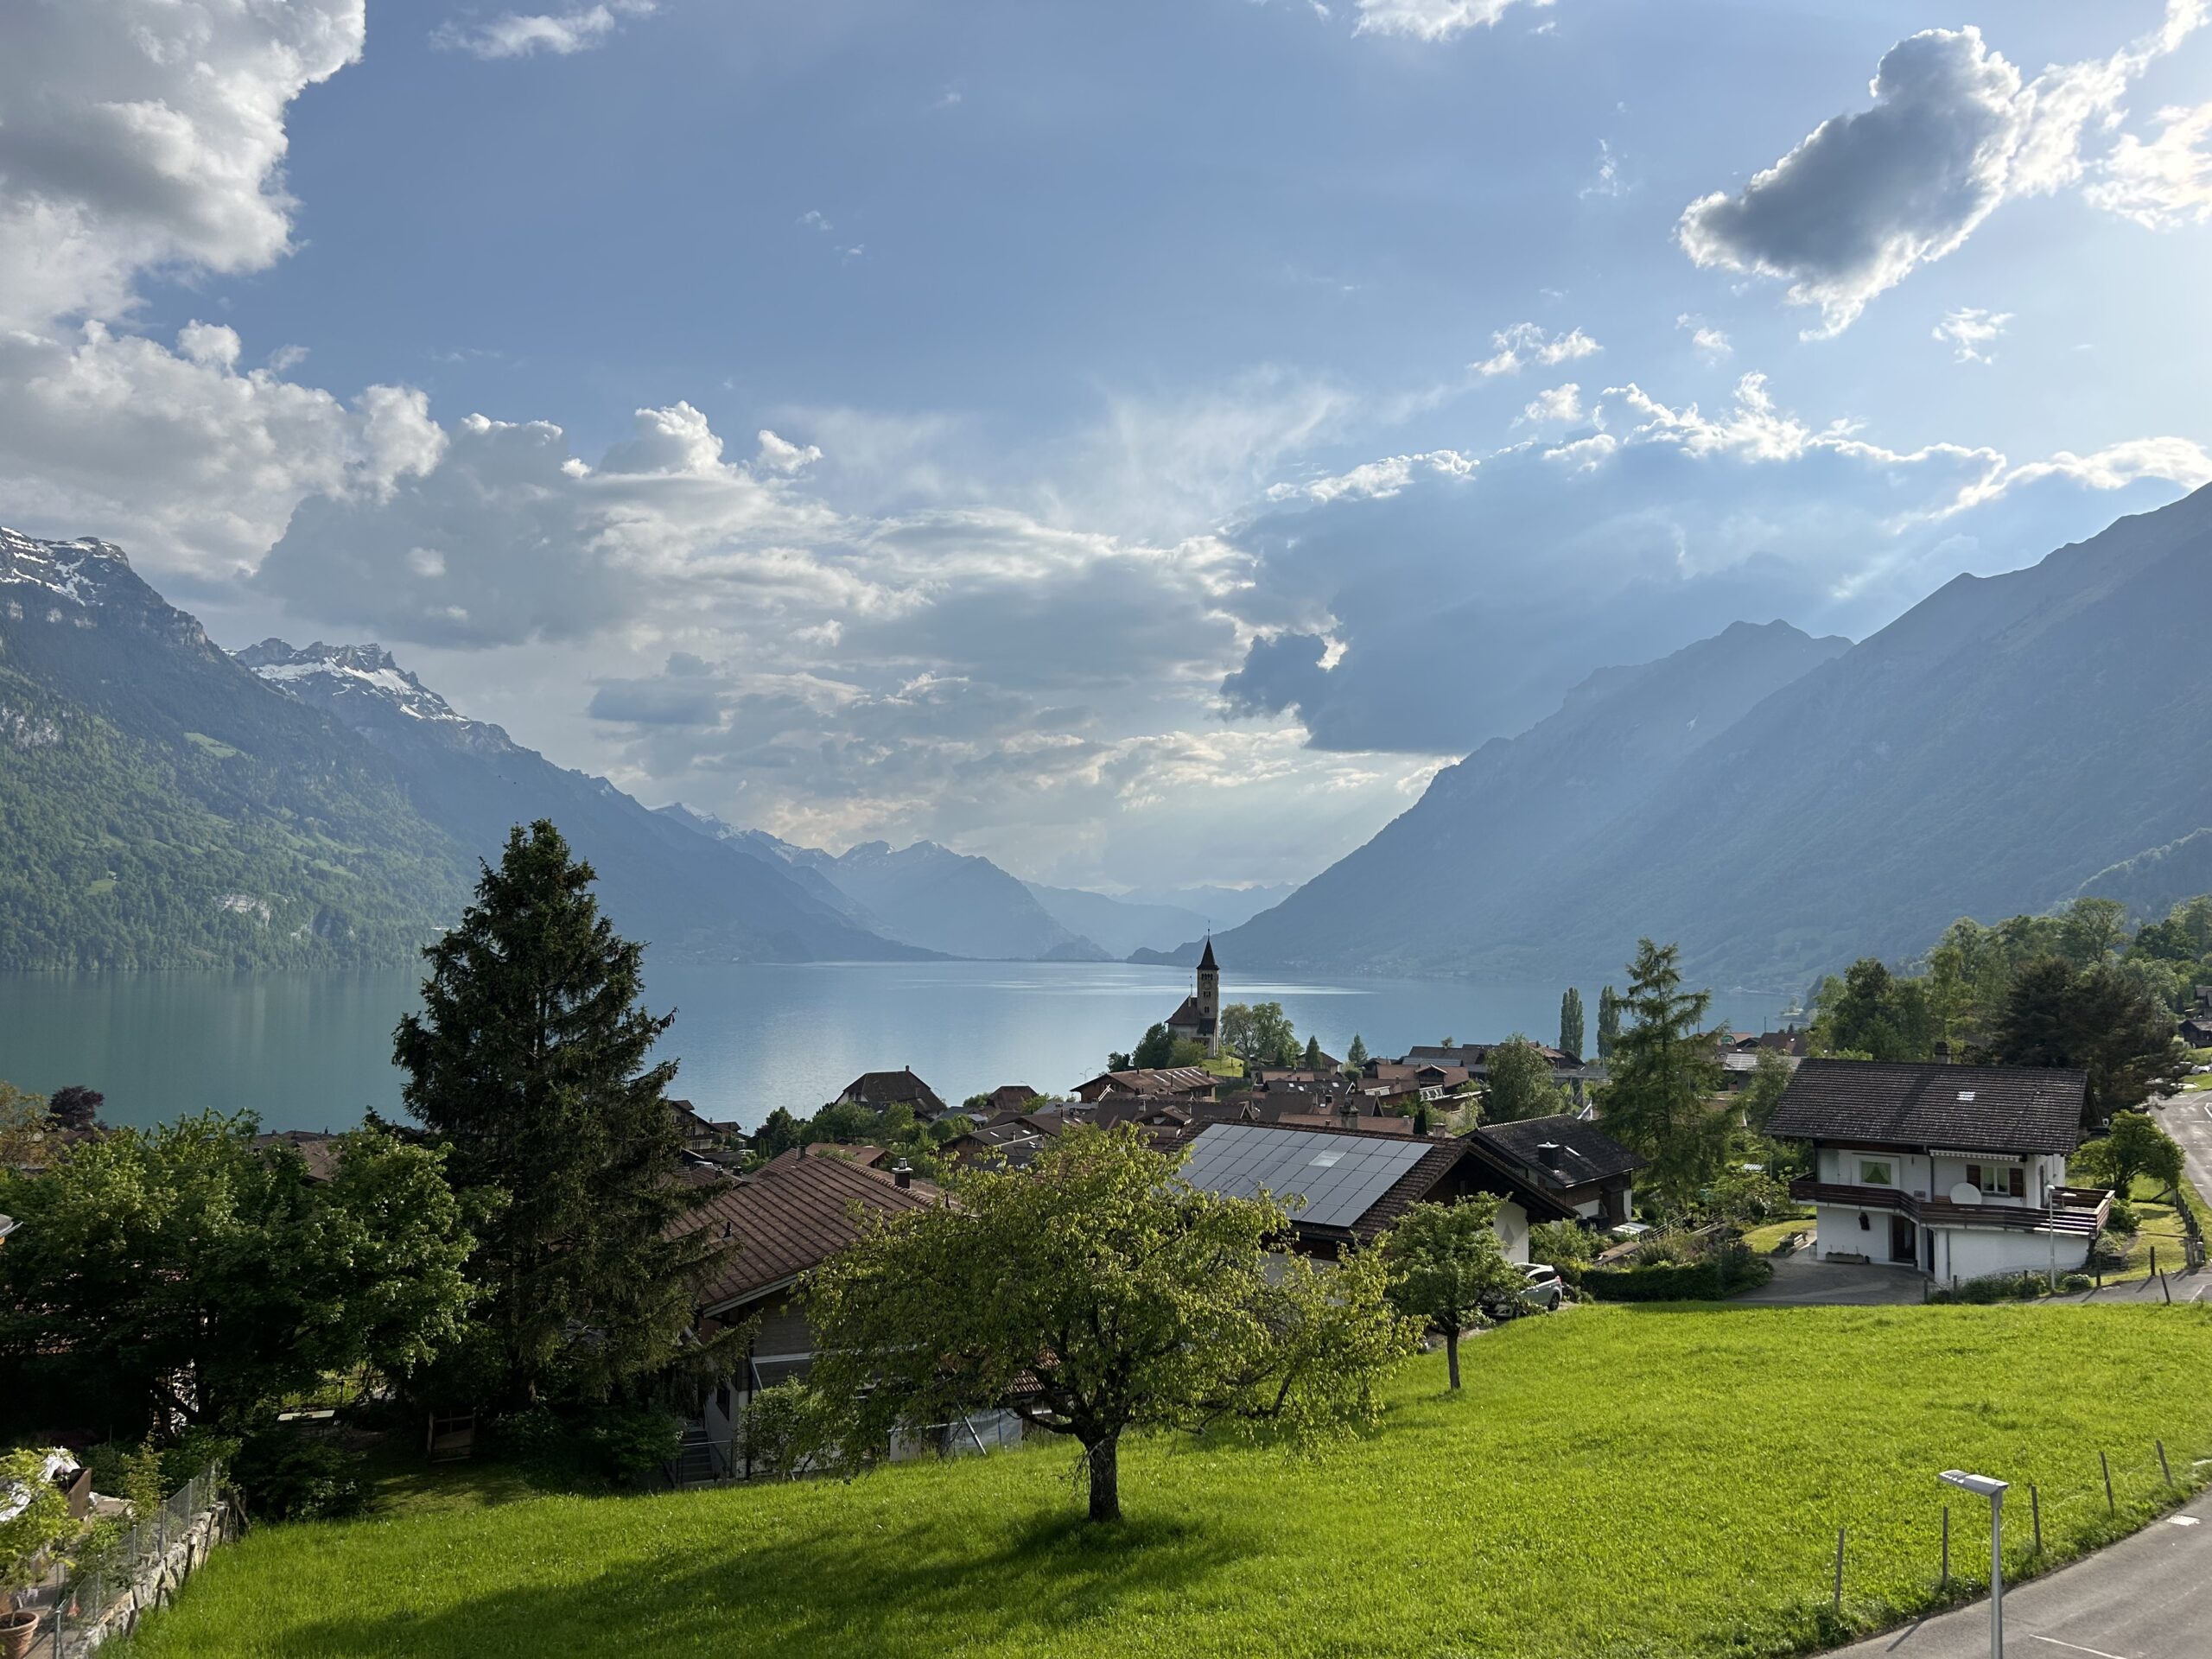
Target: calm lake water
x=312, y=1050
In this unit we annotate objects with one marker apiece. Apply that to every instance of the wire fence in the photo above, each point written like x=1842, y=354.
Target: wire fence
x=1881, y=1567
x=139, y=1568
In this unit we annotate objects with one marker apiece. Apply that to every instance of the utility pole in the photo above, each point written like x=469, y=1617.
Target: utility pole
x=1992, y=1488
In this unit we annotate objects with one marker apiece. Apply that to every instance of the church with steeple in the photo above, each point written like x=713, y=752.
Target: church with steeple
x=1199, y=1018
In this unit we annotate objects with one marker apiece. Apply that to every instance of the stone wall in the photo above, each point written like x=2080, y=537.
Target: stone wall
x=185, y=1545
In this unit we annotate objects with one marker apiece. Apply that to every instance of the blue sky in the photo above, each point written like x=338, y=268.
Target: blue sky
x=1190, y=423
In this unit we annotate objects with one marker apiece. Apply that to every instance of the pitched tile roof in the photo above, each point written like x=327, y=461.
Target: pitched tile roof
x=791, y=1217
x=1587, y=1154
x=1974, y=1107
x=892, y=1089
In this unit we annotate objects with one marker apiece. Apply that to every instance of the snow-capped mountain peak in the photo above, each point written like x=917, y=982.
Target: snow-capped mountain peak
x=75, y=571
x=342, y=672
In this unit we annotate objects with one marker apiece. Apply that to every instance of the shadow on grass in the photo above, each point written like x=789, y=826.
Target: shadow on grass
x=826, y=1590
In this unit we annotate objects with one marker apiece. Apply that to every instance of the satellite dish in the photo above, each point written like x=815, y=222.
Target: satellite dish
x=1965, y=1193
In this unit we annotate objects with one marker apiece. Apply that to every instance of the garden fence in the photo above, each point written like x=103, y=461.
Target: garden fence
x=143, y=1565
x=2100, y=1495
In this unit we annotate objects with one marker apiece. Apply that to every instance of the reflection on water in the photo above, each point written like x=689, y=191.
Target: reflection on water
x=312, y=1050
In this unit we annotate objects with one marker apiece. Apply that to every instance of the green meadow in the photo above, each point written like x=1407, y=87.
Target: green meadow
x=1612, y=1482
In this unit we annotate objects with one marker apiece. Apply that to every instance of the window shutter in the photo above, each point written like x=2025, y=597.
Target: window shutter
x=2019, y=1183
x=1974, y=1174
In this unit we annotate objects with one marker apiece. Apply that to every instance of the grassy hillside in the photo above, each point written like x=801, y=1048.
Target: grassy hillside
x=1653, y=1483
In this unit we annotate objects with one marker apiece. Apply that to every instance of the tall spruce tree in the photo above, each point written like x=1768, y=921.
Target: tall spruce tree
x=530, y=1057
x=1570, y=1022
x=1608, y=1021
x=1663, y=1072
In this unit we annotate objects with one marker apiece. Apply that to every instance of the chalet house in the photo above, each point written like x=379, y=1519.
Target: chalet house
x=1354, y=1182
x=1573, y=1161
x=1010, y=1097
x=902, y=1088
x=1569, y=1071
x=1176, y=1081
x=785, y=1219
x=1958, y=1171
x=2197, y=1030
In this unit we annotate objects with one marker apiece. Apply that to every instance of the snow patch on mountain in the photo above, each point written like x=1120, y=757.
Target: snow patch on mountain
x=347, y=671
x=71, y=570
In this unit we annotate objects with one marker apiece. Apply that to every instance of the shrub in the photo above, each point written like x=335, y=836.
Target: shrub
x=2122, y=1218
x=1562, y=1244
x=285, y=1476
x=2074, y=1282
x=1994, y=1287
x=28, y=1537
x=631, y=1443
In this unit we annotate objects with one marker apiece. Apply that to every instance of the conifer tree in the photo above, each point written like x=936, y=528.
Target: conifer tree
x=1570, y=1022
x=1663, y=1071
x=1356, y=1056
x=1609, y=1022
x=1311, y=1058
x=531, y=1058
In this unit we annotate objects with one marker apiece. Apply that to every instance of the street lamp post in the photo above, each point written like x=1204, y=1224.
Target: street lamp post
x=1992, y=1488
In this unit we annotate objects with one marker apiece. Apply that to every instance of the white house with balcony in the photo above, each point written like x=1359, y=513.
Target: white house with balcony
x=1956, y=1170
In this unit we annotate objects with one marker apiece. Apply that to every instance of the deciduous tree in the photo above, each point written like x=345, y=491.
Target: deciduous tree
x=1520, y=1084
x=2134, y=1146
x=1570, y=1023
x=1608, y=1021
x=1259, y=1034
x=1093, y=1293
x=1447, y=1268
x=2102, y=1021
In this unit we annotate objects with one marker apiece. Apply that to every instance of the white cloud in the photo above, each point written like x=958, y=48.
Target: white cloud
x=1609, y=182
x=813, y=220
x=2166, y=182
x=1711, y=343
x=1561, y=405
x=522, y=35
x=1431, y=20
x=1525, y=343
x=142, y=132
x=1970, y=331
x=781, y=455
x=1954, y=130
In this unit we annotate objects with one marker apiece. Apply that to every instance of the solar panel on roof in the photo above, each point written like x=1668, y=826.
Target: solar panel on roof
x=1340, y=1177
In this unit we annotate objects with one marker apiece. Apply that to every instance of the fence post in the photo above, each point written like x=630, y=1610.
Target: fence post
x=1944, y=1583
x=2163, y=1468
x=2110, y=1506
x=1839, y=1572
x=2035, y=1508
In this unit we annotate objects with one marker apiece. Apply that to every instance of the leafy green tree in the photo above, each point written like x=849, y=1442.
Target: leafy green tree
x=531, y=1058
x=1608, y=1021
x=1520, y=1084
x=1570, y=1022
x=1447, y=1267
x=1311, y=1058
x=185, y=1265
x=23, y=1128
x=1663, y=1073
x=1155, y=1049
x=2092, y=931
x=2102, y=1021
x=1093, y=1293
x=1422, y=1121
x=1562, y=1243
x=1770, y=1075
x=1872, y=1012
x=779, y=1132
x=1259, y=1034
x=1356, y=1056
x=2134, y=1146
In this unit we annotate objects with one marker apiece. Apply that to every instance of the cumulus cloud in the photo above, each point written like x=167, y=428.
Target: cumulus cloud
x=1432, y=20
x=1711, y=343
x=1954, y=130
x=522, y=35
x=1526, y=343
x=142, y=132
x=1561, y=405
x=1453, y=597
x=1970, y=331
x=2165, y=182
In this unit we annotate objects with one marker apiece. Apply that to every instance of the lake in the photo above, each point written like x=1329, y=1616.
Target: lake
x=312, y=1050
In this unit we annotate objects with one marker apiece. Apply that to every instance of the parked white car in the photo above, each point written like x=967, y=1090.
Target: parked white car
x=1545, y=1288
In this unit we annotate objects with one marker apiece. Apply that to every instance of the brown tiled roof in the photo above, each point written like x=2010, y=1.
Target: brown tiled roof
x=1587, y=1153
x=318, y=1148
x=892, y=1089
x=866, y=1157
x=1974, y=1107
x=793, y=1216
x=1187, y=1018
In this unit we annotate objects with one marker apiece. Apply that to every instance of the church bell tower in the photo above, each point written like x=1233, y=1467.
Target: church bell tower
x=1210, y=999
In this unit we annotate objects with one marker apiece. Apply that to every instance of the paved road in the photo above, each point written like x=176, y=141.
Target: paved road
x=2187, y=1118
x=2148, y=1596
x=1799, y=1280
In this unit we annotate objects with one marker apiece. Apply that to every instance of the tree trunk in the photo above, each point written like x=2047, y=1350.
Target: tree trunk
x=1451, y=1353
x=1105, y=1475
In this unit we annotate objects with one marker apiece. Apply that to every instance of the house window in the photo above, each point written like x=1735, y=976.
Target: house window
x=2003, y=1181
x=1873, y=1172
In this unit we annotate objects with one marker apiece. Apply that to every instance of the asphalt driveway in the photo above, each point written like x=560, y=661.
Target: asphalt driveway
x=1801, y=1281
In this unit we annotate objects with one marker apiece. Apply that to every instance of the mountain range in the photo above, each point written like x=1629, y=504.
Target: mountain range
x=1780, y=804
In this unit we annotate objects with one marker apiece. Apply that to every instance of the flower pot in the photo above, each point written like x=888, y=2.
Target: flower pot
x=18, y=1630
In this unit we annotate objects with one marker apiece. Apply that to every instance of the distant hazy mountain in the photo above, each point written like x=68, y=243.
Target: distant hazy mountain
x=1780, y=805
x=682, y=893
x=1220, y=908
x=1119, y=926
x=1435, y=892
x=160, y=807
x=926, y=895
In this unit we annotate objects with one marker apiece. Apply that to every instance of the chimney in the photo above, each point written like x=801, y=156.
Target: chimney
x=902, y=1174
x=1547, y=1151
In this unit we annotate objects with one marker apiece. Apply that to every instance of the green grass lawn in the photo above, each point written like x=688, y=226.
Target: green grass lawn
x=1662, y=1481
x=1762, y=1240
